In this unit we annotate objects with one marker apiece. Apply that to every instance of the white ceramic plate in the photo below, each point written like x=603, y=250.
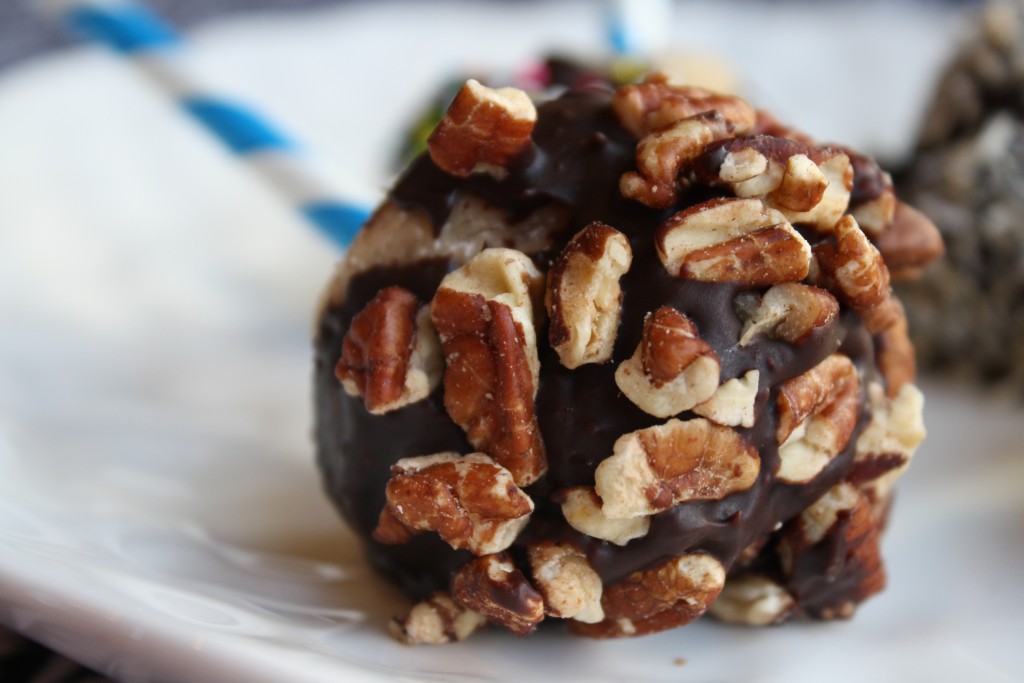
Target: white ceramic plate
x=160, y=515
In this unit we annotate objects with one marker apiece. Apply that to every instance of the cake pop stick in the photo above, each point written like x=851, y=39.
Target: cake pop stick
x=151, y=44
x=638, y=27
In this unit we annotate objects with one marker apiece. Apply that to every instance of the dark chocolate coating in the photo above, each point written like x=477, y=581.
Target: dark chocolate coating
x=579, y=153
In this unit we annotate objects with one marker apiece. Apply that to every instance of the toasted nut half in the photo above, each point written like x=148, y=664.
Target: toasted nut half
x=436, y=621
x=582, y=510
x=666, y=596
x=484, y=130
x=484, y=315
x=752, y=599
x=583, y=297
x=494, y=587
x=817, y=416
x=390, y=355
x=790, y=312
x=570, y=586
x=672, y=369
x=732, y=404
x=733, y=240
x=655, y=103
x=653, y=469
x=470, y=502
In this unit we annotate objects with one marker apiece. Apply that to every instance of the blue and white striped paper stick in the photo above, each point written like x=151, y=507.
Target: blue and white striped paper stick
x=638, y=27
x=150, y=43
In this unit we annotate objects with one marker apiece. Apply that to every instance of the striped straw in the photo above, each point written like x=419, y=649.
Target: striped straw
x=151, y=44
x=638, y=27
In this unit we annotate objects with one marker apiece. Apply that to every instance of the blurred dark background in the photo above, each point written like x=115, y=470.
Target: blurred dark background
x=23, y=31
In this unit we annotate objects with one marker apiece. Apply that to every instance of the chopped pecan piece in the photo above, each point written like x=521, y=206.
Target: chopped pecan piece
x=492, y=586
x=483, y=131
x=655, y=104
x=817, y=416
x=436, y=621
x=886, y=446
x=802, y=186
x=895, y=353
x=838, y=531
x=484, y=314
x=662, y=154
x=470, y=502
x=570, y=586
x=651, y=600
x=653, y=469
x=752, y=599
x=790, y=312
x=872, y=201
x=581, y=508
x=733, y=240
x=858, y=274
x=742, y=164
x=390, y=355
x=672, y=369
x=910, y=242
x=583, y=297
x=732, y=404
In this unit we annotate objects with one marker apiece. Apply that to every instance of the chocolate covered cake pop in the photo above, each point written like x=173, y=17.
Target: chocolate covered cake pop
x=621, y=359
x=967, y=174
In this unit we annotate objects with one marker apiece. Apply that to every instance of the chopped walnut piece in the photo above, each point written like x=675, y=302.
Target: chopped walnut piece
x=752, y=599
x=654, y=104
x=483, y=131
x=436, y=621
x=583, y=297
x=672, y=369
x=885, y=448
x=470, y=502
x=732, y=404
x=652, y=469
x=733, y=240
x=666, y=596
x=817, y=416
x=570, y=586
x=494, y=587
x=662, y=154
x=581, y=508
x=859, y=275
x=390, y=355
x=841, y=526
x=790, y=312
x=484, y=315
